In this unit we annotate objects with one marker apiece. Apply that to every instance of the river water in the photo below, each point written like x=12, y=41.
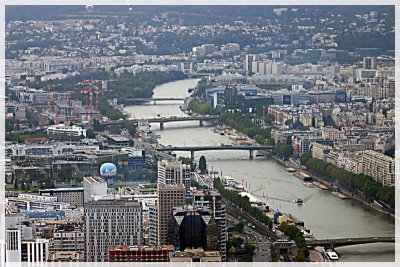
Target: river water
x=326, y=215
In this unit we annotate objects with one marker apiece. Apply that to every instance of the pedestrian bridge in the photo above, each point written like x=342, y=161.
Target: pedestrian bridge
x=340, y=242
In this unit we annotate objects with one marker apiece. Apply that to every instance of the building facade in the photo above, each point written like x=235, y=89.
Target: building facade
x=109, y=223
x=62, y=129
x=139, y=253
x=173, y=172
x=193, y=227
x=169, y=196
x=93, y=187
x=35, y=250
x=68, y=240
x=379, y=166
x=74, y=196
x=213, y=201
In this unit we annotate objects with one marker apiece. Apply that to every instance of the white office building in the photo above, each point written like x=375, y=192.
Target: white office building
x=13, y=245
x=111, y=223
x=153, y=225
x=35, y=250
x=173, y=173
x=93, y=188
x=63, y=129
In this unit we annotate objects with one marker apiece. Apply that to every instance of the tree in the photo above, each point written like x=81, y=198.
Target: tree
x=289, y=140
x=188, y=161
x=329, y=121
x=202, y=164
x=90, y=134
x=269, y=118
x=97, y=126
x=284, y=150
x=304, y=158
x=249, y=248
x=289, y=122
x=361, y=182
x=237, y=242
x=237, y=228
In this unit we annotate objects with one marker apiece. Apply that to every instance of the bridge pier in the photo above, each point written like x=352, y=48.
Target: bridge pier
x=192, y=154
x=201, y=123
x=161, y=126
x=155, y=102
x=251, y=154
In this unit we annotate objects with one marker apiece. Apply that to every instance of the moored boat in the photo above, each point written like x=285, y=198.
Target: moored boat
x=299, y=201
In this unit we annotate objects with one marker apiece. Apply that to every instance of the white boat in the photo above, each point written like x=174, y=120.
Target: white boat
x=331, y=255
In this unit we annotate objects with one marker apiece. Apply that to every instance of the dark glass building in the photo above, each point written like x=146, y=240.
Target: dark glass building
x=193, y=227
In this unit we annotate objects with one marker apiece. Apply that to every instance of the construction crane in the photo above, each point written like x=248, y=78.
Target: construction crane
x=92, y=89
x=97, y=102
x=91, y=104
x=48, y=99
x=86, y=93
x=263, y=118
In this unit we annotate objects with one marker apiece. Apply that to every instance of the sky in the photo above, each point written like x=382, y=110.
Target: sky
x=201, y=2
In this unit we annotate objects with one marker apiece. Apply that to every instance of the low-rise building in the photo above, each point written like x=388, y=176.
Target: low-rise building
x=320, y=151
x=63, y=129
x=139, y=253
x=74, y=196
x=195, y=255
x=66, y=256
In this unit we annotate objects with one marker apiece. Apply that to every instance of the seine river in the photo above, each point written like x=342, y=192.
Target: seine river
x=326, y=215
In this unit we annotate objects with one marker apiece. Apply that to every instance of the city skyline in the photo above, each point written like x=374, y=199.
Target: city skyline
x=200, y=133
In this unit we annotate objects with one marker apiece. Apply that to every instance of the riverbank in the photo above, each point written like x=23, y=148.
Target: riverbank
x=320, y=179
x=320, y=182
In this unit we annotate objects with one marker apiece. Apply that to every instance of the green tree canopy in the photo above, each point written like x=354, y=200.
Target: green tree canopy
x=202, y=164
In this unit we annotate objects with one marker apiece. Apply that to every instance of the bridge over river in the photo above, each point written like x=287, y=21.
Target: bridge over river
x=162, y=120
x=129, y=101
x=348, y=241
x=192, y=149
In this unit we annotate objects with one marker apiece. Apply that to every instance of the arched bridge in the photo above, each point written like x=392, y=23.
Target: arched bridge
x=348, y=241
x=192, y=149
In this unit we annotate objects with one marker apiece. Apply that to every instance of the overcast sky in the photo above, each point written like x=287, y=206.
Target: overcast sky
x=201, y=2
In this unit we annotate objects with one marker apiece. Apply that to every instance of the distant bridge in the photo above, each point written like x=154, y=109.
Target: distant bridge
x=163, y=120
x=154, y=100
x=348, y=241
x=192, y=149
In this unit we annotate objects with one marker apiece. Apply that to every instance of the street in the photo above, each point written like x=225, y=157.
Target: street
x=263, y=250
x=262, y=253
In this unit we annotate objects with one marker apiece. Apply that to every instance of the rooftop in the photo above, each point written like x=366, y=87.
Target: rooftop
x=141, y=248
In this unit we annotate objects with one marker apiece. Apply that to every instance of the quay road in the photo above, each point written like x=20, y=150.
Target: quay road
x=262, y=253
x=348, y=241
x=260, y=227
